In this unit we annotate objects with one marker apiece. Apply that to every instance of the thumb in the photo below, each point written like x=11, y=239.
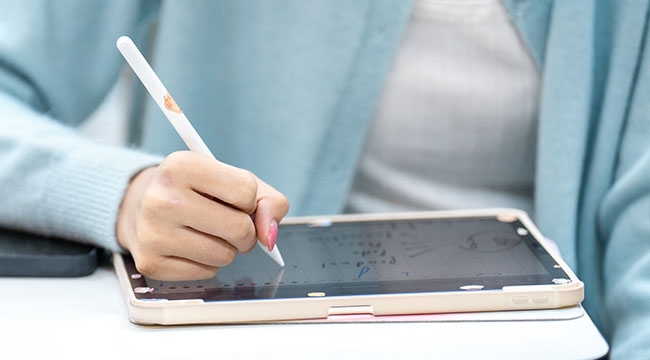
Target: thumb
x=272, y=206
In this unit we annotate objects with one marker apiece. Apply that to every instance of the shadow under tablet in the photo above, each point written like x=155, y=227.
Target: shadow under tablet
x=28, y=255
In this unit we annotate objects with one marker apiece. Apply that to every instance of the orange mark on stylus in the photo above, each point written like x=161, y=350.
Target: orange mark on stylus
x=170, y=104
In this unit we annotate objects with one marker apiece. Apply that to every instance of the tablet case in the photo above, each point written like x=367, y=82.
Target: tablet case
x=565, y=313
x=149, y=311
x=28, y=255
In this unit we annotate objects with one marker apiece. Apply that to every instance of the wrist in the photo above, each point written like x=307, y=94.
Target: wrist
x=130, y=207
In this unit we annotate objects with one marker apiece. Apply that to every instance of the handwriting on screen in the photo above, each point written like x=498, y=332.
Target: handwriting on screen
x=379, y=252
x=347, y=252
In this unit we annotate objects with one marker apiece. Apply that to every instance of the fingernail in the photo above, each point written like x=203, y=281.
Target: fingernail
x=273, y=234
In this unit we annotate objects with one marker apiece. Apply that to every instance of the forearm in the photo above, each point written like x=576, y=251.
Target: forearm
x=54, y=182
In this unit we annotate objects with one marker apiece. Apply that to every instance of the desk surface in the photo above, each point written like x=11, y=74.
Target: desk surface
x=87, y=317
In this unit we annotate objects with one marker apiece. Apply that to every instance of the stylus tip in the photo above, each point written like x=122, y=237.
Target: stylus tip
x=275, y=254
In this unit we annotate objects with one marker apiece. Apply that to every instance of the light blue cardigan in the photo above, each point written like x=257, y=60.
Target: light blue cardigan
x=286, y=88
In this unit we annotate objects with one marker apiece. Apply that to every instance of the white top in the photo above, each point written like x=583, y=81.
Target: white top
x=456, y=124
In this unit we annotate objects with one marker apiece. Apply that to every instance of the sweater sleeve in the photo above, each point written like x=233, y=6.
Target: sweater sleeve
x=57, y=62
x=624, y=219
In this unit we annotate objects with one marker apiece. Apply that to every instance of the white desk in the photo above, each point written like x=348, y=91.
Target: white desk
x=87, y=318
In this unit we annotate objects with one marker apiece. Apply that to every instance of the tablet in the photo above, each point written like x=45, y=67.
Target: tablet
x=379, y=264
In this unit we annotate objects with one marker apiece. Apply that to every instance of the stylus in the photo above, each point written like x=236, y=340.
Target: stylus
x=171, y=110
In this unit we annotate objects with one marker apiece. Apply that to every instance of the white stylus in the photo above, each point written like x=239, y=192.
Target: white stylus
x=171, y=110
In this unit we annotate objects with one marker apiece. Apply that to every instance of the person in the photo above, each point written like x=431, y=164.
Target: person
x=340, y=106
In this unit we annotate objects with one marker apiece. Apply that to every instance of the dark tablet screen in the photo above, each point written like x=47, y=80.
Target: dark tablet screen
x=375, y=257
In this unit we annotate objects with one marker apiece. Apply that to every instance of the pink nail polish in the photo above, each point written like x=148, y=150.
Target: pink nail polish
x=273, y=234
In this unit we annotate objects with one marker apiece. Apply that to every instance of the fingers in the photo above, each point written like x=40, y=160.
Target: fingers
x=172, y=268
x=203, y=254
x=219, y=220
x=208, y=176
x=272, y=206
x=200, y=247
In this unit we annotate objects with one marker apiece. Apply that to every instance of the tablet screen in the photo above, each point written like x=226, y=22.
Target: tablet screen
x=374, y=257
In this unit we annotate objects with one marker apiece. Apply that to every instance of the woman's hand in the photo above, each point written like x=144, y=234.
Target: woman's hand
x=192, y=214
